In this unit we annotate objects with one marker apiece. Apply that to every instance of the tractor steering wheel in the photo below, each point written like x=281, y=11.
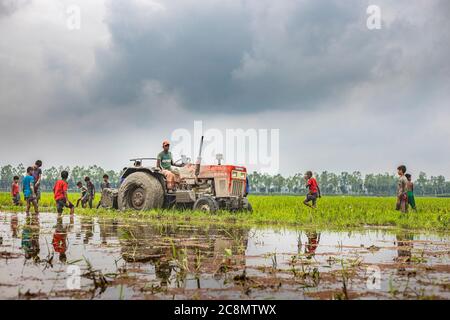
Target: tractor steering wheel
x=179, y=162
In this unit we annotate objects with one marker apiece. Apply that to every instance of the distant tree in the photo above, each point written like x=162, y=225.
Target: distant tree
x=19, y=170
x=356, y=182
x=344, y=180
x=421, y=184
x=278, y=182
x=330, y=183
x=6, y=174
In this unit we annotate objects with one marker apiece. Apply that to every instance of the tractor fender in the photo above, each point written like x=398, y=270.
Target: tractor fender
x=150, y=171
x=158, y=175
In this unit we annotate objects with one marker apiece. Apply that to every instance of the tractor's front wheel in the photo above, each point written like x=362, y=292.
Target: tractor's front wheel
x=206, y=204
x=247, y=206
x=140, y=191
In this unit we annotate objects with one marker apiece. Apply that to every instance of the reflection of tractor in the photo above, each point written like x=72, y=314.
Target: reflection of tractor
x=201, y=187
x=162, y=245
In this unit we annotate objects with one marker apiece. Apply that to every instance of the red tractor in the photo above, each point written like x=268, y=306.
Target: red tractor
x=201, y=187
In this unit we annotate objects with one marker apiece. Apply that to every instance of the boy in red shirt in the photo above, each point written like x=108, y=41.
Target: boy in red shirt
x=60, y=194
x=314, y=190
x=15, y=194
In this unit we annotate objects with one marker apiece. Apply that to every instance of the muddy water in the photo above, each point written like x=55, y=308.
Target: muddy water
x=51, y=257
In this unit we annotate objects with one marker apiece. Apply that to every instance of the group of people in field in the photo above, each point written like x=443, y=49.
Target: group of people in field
x=31, y=184
x=405, y=191
x=32, y=193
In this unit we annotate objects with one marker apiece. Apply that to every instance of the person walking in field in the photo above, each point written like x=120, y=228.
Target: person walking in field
x=84, y=197
x=60, y=194
x=402, y=187
x=37, y=175
x=410, y=192
x=91, y=191
x=15, y=193
x=29, y=191
x=168, y=168
x=104, y=185
x=313, y=190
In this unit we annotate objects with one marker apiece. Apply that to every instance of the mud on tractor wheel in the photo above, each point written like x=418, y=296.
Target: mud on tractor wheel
x=140, y=191
x=247, y=206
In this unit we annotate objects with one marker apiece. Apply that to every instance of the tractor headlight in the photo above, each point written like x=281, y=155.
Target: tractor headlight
x=238, y=175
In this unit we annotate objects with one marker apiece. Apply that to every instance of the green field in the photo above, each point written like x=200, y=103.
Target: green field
x=332, y=212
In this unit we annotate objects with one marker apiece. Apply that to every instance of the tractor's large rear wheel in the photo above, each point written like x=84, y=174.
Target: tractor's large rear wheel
x=140, y=191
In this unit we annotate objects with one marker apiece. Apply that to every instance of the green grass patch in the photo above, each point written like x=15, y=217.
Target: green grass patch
x=332, y=212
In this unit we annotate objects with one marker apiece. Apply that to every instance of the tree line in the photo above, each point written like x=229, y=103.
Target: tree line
x=50, y=175
x=347, y=183
x=330, y=183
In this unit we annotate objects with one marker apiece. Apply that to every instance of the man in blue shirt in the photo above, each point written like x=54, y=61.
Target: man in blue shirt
x=29, y=191
x=247, y=186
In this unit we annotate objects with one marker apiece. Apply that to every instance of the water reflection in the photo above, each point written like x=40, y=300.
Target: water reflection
x=165, y=258
x=14, y=224
x=87, y=229
x=310, y=247
x=181, y=251
x=30, y=237
x=60, y=237
x=404, y=246
x=313, y=243
x=108, y=230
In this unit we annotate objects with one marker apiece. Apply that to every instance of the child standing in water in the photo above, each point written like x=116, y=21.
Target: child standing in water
x=37, y=175
x=60, y=194
x=410, y=192
x=314, y=190
x=84, y=195
x=28, y=191
x=104, y=185
x=91, y=191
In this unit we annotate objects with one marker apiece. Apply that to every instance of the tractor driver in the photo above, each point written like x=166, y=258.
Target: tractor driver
x=168, y=167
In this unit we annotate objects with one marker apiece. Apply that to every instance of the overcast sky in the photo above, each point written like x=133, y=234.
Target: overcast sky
x=343, y=97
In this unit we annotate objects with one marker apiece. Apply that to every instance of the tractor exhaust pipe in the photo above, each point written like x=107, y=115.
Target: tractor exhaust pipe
x=199, y=159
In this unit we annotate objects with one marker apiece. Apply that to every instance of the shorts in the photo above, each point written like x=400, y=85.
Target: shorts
x=62, y=203
x=30, y=199
x=312, y=197
x=16, y=199
x=84, y=199
x=402, y=202
x=411, y=200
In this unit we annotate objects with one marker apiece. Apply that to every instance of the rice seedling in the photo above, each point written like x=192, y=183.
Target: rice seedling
x=332, y=212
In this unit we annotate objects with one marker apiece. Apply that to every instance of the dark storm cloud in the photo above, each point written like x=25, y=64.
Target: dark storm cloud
x=191, y=51
x=128, y=78
x=245, y=56
x=8, y=7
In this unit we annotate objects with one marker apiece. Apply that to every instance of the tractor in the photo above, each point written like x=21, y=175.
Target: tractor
x=201, y=187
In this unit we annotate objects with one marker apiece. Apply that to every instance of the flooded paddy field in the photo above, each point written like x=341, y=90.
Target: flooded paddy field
x=85, y=257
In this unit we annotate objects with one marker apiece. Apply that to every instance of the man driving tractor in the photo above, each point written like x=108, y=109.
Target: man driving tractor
x=180, y=184
x=168, y=167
